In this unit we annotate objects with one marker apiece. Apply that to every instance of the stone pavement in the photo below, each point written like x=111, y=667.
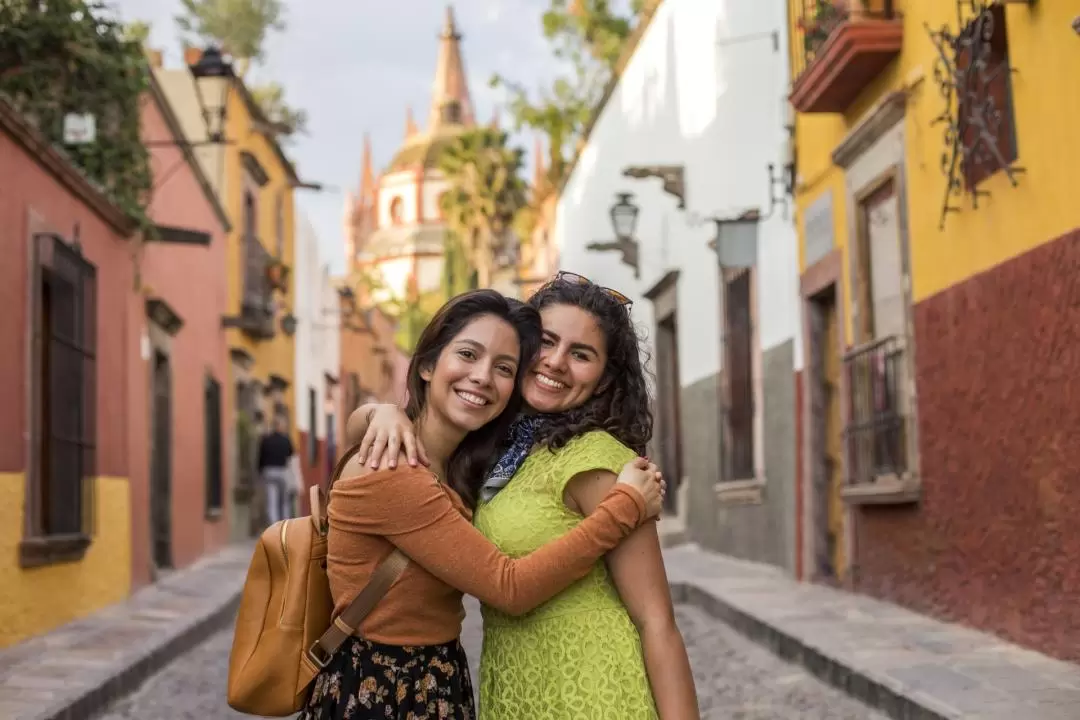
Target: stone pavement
x=907, y=665
x=735, y=677
x=77, y=670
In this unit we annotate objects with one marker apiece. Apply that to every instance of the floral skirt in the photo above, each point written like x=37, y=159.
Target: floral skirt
x=367, y=680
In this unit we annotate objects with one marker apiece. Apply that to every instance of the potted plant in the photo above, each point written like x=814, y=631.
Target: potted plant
x=277, y=273
x=819, y=24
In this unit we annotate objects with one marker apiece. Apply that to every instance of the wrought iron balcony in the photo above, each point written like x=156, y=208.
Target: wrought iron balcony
x=875, y=437
x=840, y=46
x=257, y=306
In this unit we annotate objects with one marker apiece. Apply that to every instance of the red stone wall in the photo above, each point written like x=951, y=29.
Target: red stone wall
x=33, y=200
x=192, y=280
x=994, y=543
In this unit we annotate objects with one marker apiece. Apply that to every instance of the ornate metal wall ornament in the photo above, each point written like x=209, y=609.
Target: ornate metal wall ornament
x=971, y=117
x=673, y=178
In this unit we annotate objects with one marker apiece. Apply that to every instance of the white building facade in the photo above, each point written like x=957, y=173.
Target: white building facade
x=700, y=110
x=318, y=354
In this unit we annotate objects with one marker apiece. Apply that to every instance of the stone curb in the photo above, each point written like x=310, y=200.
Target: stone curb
x=124, y=680
x=881, y=693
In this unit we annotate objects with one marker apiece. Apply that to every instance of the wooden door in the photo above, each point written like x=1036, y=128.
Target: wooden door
x=833, y=440
x=161, y=464
x=828, y=530
x=668, y=389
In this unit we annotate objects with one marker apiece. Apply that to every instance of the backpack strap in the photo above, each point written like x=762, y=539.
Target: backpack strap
x=345, y=624
x=385, y=575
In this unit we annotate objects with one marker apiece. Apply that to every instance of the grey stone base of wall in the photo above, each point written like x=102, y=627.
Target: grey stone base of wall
x=761, y=532
x=79, y=669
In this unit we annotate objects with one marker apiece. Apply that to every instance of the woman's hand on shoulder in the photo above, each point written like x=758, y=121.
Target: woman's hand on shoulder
x=646, y=478
x=391, y=437
x=588, y=489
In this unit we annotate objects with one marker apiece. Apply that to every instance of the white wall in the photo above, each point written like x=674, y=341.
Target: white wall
x=317, y=329
x=689, y=98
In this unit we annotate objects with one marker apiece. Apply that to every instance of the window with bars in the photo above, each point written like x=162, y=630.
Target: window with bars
x=65, y=388
x=738, y=358
x=212, y=406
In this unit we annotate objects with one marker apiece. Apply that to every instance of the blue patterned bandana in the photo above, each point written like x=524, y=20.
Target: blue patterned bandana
x=522, y=434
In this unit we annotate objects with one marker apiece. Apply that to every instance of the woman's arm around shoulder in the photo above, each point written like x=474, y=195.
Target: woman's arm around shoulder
x=411, y=509
x=637, y=568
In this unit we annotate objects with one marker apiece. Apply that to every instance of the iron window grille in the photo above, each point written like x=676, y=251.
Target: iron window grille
x=65, y=389
x=875, y=436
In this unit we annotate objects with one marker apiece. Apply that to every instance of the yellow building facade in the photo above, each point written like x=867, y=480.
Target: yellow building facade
x=259, y=185
x=936, y=159
x=256, y=184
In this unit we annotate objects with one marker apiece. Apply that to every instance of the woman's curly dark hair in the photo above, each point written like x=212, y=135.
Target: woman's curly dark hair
x=467, y=465
x=620, y=405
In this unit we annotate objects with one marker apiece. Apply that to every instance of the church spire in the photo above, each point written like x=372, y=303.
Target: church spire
x=410, y=123
x=450, y=100
x=367, y=176
x=539, y=171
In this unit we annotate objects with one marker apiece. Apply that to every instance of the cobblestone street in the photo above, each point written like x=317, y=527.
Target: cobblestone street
x=735, y=679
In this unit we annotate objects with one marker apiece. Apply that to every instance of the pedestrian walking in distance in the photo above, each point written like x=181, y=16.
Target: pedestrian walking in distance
x=275, y=450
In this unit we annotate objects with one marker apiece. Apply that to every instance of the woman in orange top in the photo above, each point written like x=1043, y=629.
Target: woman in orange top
x=462, y=395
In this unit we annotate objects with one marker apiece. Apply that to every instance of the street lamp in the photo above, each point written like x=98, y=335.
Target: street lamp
x=212, y=72
x=288, y=324
x=624, y=217
x=736, y=239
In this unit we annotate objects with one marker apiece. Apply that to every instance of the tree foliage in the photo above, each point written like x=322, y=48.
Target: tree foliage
x=588, y=37
x=271, y=99
x=137, y=31
x=485, y=194
x=73, y=56
x=240, y=27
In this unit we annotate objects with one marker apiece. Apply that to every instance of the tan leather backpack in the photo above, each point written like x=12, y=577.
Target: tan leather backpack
x=283, y=635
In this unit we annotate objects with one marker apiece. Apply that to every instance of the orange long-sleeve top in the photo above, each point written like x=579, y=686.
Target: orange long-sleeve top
x=410, y=509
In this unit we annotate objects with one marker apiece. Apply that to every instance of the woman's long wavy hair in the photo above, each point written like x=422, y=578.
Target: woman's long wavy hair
x=467, y=465
x=620, y=405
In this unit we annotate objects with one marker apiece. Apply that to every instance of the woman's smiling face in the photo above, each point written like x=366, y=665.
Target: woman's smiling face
x=573, y=356
x=473, y=378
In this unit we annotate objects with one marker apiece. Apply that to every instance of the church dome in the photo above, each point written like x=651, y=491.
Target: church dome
x=424, y=150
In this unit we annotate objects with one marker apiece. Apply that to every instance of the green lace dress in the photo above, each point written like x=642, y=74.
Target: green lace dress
x=578, y=656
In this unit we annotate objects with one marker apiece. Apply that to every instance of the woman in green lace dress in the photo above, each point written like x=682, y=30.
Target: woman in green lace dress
x=607, y=647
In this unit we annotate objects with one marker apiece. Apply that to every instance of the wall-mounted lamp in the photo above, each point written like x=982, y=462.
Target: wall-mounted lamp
x=350, y=316
x=736, y=239
x=211, y=73
x=288, y=324
x=624, y=217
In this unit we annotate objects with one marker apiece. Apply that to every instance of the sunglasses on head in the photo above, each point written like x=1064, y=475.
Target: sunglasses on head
x=575, y=279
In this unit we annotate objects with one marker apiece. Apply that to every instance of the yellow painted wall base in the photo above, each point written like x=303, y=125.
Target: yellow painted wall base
x=37, y=600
